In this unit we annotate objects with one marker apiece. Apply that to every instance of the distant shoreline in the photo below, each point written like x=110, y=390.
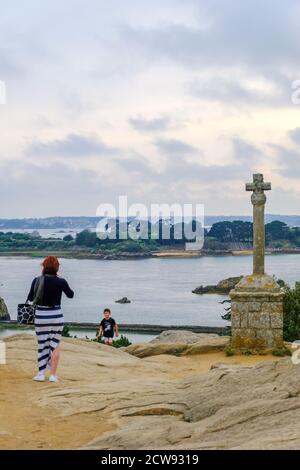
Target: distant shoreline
x=140, y=256
x=83, y=222
x=129, y=328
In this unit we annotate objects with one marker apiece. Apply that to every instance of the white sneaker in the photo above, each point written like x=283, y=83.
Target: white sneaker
x=53, y=378
x=39, y=378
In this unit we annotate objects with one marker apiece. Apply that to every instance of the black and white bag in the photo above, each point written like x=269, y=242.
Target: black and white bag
x=26, y=312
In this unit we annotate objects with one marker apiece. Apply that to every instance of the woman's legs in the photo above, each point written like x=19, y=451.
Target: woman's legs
x=43, y=351
x=55, y=359
x=49, y=327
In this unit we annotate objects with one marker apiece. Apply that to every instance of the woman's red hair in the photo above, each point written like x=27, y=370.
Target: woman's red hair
x=50, y=265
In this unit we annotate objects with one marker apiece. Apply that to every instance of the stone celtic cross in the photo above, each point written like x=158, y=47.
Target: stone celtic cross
x=258, y=200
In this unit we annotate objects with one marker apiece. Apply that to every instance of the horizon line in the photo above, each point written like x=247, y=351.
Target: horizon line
x=96, y=217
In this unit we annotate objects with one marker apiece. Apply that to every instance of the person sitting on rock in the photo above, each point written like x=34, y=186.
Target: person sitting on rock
x=108, y=327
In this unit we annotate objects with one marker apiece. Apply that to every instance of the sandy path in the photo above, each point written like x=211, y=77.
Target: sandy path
x=82, y=406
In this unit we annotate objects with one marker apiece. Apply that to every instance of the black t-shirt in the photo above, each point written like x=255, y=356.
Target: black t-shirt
x=108, y=327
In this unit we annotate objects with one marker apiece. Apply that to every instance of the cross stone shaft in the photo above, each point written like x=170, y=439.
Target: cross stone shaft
x=258, y=200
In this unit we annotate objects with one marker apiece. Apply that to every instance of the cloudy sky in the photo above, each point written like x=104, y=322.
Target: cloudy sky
x=164, y=101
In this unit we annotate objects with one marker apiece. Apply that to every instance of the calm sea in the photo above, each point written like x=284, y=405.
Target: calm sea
x=159, y=289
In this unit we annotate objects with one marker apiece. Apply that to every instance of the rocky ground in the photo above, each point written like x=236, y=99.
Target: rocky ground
x=110, y=399
x=178, y=342
x=4, y=315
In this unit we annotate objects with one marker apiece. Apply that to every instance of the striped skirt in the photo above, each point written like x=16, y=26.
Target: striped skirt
x=49, y=325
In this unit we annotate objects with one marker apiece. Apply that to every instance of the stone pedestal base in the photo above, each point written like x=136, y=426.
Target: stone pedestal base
x=257, y=314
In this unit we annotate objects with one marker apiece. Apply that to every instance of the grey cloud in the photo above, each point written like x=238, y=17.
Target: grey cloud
x=180, y=169
x=220, y=89
x=257, y=38
x=177, y=168
x=174, y=147
x=236, y=32
x=27, y=189
x=75, y=105
x=294, y=134
x=73, y=145
x=149, y=125
x=42, y=122
x=288, y=160
x=244, y=150
x=229, y=36
x=136, y=164
x=9, y=68
x=56, y=189
x=233, y=92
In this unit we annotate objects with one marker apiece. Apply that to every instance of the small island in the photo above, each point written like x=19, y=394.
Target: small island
x=124, y=300
x=223, y=238
x=223, y=287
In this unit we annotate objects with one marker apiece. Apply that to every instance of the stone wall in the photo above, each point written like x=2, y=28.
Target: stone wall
x=257, y=315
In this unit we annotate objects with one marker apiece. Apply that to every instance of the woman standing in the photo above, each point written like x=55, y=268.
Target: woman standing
x=46, y=291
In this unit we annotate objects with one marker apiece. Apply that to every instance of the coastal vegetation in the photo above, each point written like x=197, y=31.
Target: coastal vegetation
x=121, y=342
x=291, y=313
x=225, y=236
x=84, y=243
